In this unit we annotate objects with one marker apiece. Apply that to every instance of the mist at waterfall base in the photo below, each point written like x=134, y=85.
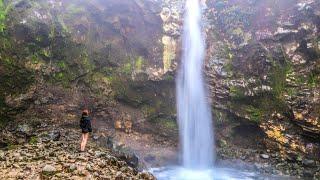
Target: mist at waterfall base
x=194, y=114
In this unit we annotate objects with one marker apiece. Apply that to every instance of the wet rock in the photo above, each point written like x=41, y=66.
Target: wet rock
x=48, y=169
x=128, y=156
x=89, y=167
x=23, y=5
x=308, y=163
x=308, y=174
x=119, y=175
x=146, y=175
x=264, y=156
x=25, y=129
x=123, y=153
x=54, y=135
x=2, y=156
x=99, y=154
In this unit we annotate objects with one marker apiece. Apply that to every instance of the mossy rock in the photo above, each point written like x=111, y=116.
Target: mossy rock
x=33, y=140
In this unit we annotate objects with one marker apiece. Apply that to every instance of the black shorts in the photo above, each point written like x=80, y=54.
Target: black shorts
x=86, y=130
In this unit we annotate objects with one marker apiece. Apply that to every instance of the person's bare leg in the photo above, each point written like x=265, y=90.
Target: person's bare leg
x=86, y=136
x=82, y=142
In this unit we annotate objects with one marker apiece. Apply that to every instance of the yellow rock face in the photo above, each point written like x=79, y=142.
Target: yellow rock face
x=169, y=51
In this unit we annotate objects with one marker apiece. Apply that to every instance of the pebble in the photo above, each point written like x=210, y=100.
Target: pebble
x=48, y=169
x=2, y=156
x=72, y=167
x=308, y=163
x=264, y=156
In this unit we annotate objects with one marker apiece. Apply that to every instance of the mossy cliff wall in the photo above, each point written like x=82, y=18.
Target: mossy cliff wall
x=262, y=64
x=111, y=51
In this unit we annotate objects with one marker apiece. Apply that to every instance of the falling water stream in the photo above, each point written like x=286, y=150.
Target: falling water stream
x=194, y=115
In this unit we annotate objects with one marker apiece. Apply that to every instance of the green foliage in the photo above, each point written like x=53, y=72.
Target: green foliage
x=3, y=109
x=127, y=69
x=33, y=140
x=45, y=52
x=256, y=114
x=62, y=65
x=121, y=89
x=236, y=93
x=139, y=63
x=3, y=14
x=256, y=107
x=86, y=62
x=167, y=123
x=4, y=9
x=11, y=146
x=278, y=78
x=168, y=77
x=65, y=28
x=13, y=73
x=62, y=78
x=34, y=59
x=313, y=79
x=148, y=111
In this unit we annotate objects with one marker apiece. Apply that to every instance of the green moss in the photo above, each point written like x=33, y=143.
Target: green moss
x=4, y=119
x=5, y=7
x=125, y=92
x=63, y=78
x=126, y=69
x=86, y=62
x=236, y=93
x=255, y=114
x=313, y=79
x=168, y=123
x=220, y=117
x=279, y=74
x=11, y=146
x=13, y=73
x=257, y=107
x=3, y=14
x=109, y=71
x=33, y=140
x=228, y=67
x=61, y=65
x=45, y=52
x=64, y=27
x=148, y=111
x=168, y=77
x=34, y=59
x=139, y=63
x=292, y=91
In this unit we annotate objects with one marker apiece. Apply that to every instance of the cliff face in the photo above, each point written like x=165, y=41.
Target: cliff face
x=262, y=64
x=113, y=50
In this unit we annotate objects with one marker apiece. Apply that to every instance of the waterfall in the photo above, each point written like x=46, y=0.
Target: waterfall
x=194, y=114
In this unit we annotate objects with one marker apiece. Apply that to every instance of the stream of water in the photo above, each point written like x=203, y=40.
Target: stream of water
x=194, y=115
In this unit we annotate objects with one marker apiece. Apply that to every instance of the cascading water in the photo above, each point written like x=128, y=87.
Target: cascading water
x=194, y=115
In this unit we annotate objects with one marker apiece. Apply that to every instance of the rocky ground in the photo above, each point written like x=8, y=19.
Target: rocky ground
x=55, y=155
x=50, y=151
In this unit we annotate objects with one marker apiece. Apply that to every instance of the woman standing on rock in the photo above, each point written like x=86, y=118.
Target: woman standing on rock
x=85, y=124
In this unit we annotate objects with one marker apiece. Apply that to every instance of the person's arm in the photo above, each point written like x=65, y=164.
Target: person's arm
x=89, y=124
